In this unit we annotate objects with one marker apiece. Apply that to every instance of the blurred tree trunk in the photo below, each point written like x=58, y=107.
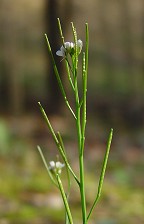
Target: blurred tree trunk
x=12, y=93
x=55, y=9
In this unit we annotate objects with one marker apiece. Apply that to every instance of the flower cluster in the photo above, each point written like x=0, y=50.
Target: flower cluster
x=56, y=167
x=69, y=48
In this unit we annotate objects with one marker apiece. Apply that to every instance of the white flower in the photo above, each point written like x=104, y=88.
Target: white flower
x=52, y=164
x=56, y=167
x=79, y=45
x=61, y=52
x=59, y=165
x=68, y=48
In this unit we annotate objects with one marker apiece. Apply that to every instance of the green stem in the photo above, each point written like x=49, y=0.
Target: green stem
x=69, y=71
x=79, y=129
x=82, y=189
x=67, y=169
x=57, y=142
x=81, y=159
x=84, y=84
x=87, y=47
x=102, y=173
x=60, y=29
x=64, y=199
x=46, y=166
x=81, y=164
x=58, y=78
x=68, y=66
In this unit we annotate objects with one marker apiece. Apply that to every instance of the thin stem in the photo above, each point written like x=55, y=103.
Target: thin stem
x=64, y=199
x=102, y=173
x=81, y=166
x=79, y=128
x=58, y=78
x=81, y=159
x=68, y=67
x=82, y=189
x=81, y=146
x=46, y=166
x=57, y=142
x=68, y=174
x=87, y=48
x=60, y=29
x=75, y=61
x=84, y=84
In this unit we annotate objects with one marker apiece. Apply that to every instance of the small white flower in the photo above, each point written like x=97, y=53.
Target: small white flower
x=68, y=46
x=52, y=164
x=56, y=167
x=79, y=45
x=61, y=52
x=59, y=165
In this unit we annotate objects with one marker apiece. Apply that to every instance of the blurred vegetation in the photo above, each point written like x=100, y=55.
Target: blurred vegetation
x=28, y=196
x=116, y=54
x=115, y=99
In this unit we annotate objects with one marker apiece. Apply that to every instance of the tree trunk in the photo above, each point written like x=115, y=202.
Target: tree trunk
x=55, y=9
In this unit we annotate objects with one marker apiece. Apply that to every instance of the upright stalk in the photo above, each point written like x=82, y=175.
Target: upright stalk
x=81, y=162
x=82, y=189
x=80, y=150
x=81, y=121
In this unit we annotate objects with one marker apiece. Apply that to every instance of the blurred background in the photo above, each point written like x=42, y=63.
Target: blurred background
x=115, y=99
